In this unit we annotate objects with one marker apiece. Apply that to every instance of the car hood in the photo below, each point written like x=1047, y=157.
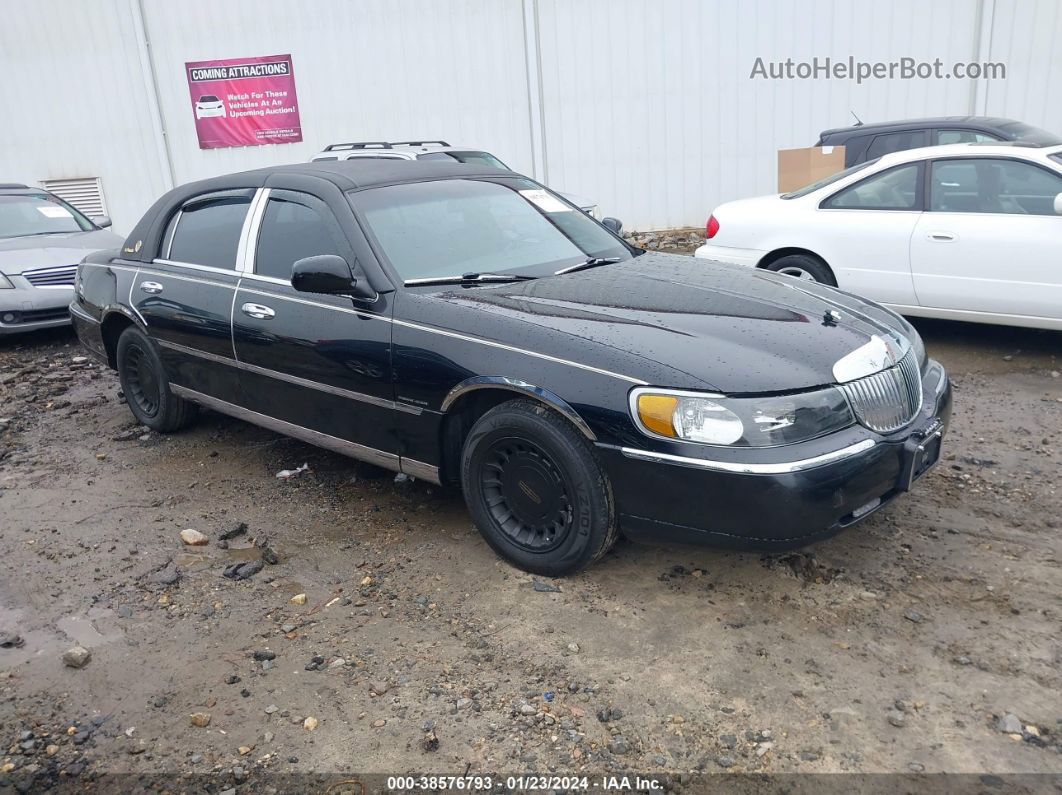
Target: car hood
x=18, y=254
x=693, y=323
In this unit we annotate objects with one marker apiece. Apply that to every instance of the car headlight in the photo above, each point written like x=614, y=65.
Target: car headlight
x=5, y=283
x=739, y=422
x=917, y=346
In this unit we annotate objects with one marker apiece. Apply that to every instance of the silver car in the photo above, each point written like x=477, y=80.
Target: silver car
x=42, y=239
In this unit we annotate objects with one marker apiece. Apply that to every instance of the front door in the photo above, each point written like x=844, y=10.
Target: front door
x=320, y=362
x=990, y=240
x=185, y=294
x=868, y=227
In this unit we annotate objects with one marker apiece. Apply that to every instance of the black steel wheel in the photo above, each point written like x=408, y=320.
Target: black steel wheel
x=147, y=390
x=536, y=489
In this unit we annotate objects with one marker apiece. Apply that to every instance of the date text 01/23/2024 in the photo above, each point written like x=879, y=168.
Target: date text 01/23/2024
x=525, y=783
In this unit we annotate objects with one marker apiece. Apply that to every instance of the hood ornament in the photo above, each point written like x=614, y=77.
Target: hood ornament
x=880, y=353
x=831, y=318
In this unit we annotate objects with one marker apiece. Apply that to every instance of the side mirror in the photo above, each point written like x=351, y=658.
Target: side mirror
x=328, y=274
x=614, y=225
x=1058, y=204
x=102, y=221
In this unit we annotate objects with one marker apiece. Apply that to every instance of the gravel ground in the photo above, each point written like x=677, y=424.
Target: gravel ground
x=382, y=635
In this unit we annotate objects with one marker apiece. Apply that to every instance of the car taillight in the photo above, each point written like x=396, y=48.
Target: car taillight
x=712, y=227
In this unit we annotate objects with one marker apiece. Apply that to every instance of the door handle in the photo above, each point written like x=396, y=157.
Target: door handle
x=257, y=311
x=941, y=237
x=150, y=287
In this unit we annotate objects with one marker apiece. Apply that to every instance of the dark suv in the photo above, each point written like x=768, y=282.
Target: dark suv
x=869, y=141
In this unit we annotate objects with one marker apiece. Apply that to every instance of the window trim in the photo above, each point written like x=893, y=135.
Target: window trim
x=927, y=183
x=920, y=191
x=254, y=230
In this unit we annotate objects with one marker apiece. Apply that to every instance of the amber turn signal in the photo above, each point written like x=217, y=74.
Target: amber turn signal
x=656, y=412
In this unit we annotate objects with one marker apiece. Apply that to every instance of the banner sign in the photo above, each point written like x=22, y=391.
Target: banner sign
x=244, y=101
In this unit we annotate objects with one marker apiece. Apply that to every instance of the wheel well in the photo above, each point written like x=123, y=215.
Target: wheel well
x=459, y=420
x=777, y=254
x=113, y=326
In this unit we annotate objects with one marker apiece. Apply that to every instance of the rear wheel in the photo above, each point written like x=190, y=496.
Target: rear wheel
x=804, y=266
x=536, y=490
x=147, y=391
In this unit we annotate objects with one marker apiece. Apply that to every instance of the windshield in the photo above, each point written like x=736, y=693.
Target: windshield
x=456, y=226
x=208, y=98
x=1020, y=131
x=822, y=183
x=39, y=214
x=475, y=158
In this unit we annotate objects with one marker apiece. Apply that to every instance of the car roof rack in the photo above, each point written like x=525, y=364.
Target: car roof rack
x=359, y=145
x=420, y=143
x=12, y=185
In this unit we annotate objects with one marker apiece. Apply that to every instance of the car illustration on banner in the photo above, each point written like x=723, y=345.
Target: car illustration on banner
x=208, y=106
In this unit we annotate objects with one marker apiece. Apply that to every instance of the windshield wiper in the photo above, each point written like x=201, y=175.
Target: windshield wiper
x=469, y=278
x=591, y=262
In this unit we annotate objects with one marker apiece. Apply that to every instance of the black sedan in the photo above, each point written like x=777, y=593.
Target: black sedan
x=470, y=327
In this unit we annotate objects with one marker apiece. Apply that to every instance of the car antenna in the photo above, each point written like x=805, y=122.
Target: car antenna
x=859, y=121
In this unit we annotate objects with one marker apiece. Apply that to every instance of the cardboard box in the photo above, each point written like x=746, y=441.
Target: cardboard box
x=800, y=167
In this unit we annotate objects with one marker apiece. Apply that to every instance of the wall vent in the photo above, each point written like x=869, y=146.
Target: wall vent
x=85, y=193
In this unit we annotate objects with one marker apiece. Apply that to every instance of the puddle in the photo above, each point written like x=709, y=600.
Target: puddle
x=81, y=630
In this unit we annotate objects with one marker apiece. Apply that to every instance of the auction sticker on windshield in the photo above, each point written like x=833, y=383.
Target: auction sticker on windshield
x=545, y=201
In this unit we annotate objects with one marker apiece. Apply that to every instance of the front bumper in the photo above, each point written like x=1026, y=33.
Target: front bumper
x=777, y=505
x=29, y=308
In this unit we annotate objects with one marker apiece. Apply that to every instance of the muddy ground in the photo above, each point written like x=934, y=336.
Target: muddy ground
x=902, y=645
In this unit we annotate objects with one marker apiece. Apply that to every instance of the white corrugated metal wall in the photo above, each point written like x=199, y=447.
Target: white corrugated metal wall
x=645, y=105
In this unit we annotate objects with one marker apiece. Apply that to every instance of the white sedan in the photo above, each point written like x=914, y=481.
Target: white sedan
x=966, y=232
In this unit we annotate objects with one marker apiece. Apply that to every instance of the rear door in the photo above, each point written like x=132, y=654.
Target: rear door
x=321, y=362
x=185, y=294
x=990, y=240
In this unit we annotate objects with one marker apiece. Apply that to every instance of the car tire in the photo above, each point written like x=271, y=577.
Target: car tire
x=536, y=489
x=146, y=388
x=804, y=266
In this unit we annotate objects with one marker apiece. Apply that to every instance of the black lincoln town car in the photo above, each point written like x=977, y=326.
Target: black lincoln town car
x=467, y=326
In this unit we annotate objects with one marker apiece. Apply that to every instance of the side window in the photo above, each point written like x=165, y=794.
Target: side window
x=293, y=228
x=963, y=137
x=986, y=185
x=207, y=231
x=894, y=189
x=896, y=142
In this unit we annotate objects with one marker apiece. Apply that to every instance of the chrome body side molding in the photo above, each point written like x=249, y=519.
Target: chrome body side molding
x=291, y=379
x=779, y=468
x=522, y=387
x=370, y=455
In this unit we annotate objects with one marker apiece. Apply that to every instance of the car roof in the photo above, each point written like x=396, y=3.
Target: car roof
x=344, y=175
x=350, y=174
x=18, y=189
x=918, y=124
x=1007, y=148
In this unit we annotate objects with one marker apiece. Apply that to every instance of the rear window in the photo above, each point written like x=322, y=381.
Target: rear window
x=1020, y=131
x=822, y=183
x=473, y=157
x=208, y=232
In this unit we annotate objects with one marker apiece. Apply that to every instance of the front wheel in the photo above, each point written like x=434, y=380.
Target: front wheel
x=536, y=490
x=146, y=388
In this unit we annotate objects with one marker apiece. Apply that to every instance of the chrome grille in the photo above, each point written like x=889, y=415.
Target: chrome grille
x=888, y=400
x=61, y=276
